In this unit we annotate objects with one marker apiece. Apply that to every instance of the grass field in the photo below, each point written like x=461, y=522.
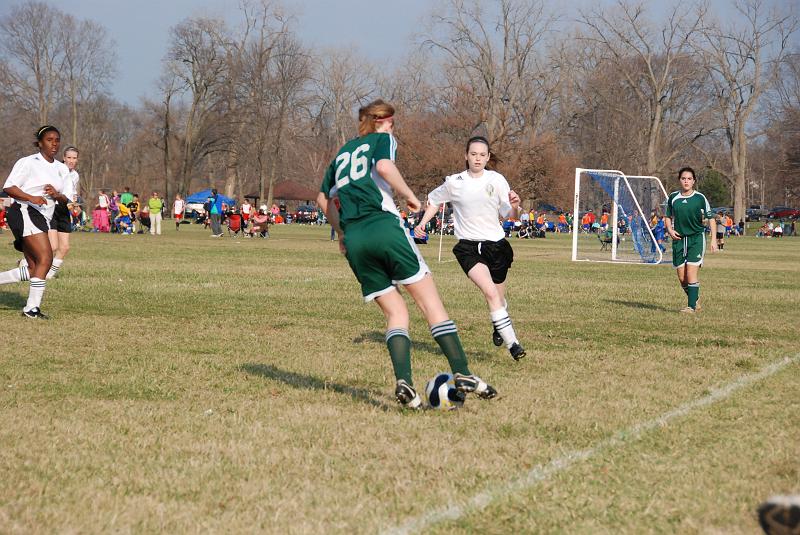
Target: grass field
x=187, y=384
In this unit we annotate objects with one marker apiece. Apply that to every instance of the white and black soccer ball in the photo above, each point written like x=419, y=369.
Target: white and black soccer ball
x=442, y=394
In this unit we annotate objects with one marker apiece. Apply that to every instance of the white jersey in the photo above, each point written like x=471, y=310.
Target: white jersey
x=75, y=178
x=478, y=203
x=32, y=173
x=178, y=206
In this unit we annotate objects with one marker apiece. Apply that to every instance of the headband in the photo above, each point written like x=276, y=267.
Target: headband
x=380, y=120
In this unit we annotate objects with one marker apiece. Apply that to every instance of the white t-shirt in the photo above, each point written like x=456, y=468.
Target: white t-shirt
x=246, y=207
x=478, y=204
x=32, y=173
x=75, y=178
x=103, y=200
x=178, y=206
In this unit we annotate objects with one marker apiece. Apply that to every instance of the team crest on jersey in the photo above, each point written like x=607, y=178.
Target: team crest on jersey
x=490, y=190
x=684, y=201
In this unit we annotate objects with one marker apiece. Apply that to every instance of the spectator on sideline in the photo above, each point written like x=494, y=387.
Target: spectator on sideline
x=144, y=217
x=215, y=214
x=720, y=232
x=102, y=200
x=246, y=210
x=155, y=204
x=178, y=207
x=113, y=209
x=134, y=208
x=127, y=197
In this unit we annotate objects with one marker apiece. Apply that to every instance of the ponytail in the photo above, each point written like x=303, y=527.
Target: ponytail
x=374, y=112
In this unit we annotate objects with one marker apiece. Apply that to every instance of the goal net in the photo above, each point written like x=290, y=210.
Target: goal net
x=632, y=208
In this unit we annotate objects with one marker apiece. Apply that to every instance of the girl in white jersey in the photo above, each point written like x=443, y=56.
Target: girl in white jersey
x=479, y=198
x=36, y=182
x=61, y=223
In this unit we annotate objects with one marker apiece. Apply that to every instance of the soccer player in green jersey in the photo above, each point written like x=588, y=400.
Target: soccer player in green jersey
x=687, y=212
x=381, y=253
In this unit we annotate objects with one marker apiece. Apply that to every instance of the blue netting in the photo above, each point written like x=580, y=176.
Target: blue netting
x=636, y=227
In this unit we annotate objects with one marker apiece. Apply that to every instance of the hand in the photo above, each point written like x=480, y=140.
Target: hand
x=413, y=203
x=419, y=231
x=513, y=198
x=714, y=247
x=674, y=235
x=38, y=200
x=342, y=248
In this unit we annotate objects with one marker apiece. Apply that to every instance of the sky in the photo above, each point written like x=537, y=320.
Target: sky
x=379, y=29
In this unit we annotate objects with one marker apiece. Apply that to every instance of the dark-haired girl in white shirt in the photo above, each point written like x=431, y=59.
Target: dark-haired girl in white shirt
x=480, y=197
x=36, y=182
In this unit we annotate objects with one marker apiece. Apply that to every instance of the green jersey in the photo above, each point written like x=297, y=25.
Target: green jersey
x=688, y=213
x=353, y=177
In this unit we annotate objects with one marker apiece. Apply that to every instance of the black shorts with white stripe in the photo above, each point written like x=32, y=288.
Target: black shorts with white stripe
x=25, y=221
x=496, y=255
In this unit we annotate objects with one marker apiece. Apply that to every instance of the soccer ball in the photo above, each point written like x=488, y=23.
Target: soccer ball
x=442, y=394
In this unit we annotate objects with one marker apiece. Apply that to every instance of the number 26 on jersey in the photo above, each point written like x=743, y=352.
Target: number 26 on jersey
x=351, y=166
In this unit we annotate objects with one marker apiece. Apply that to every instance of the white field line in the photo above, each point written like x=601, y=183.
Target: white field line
x=542, y=472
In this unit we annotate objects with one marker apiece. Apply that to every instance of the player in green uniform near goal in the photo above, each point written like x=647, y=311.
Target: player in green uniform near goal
x=686, y=214
x=381, y=253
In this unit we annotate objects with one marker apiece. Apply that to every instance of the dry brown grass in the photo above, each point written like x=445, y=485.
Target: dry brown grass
x=187, y=384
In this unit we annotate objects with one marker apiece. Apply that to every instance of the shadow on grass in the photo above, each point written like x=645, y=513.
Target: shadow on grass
x=12, y=301
x=431, y=347
x=639, y=305
x=309, y=382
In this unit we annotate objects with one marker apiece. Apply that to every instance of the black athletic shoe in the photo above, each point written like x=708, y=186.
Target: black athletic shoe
x=517, y=351
x=472, y=384
x=496, y=338
x=779, y=515
x=407, y=396
x=35, y=313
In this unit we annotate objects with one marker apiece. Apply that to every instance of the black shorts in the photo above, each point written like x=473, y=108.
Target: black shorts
x=720, y=235
x=62, y=220
x=25, y=221
x=496, y=255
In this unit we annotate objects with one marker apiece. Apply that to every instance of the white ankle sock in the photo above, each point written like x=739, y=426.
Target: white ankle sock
x=35, y=294
x=502, y=323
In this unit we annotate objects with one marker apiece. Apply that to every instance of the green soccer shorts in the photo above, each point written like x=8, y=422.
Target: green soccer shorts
x=382, y=254
x=689, y=250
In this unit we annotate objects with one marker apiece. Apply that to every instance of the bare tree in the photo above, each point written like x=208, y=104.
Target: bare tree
x=742, y=61
x=197, y=61
x=339, y=88
x=493, y=55
x=29, y=39
x=654, y=64
x=292, y=71
x=87, y=65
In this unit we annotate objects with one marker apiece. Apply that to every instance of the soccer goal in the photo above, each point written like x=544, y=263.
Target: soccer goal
x=629, y=203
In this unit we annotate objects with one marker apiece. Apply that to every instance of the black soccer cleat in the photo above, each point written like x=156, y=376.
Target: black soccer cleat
x=35, y=313
x=779, y=515
x=472, y=384
x=496, y=338
x=517, y=351
x=407, y=396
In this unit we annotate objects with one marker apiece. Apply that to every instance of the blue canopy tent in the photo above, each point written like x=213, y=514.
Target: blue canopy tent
x=202, y=196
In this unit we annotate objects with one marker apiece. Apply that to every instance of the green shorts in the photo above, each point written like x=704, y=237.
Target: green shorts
x=382, y=254
x=689, y=250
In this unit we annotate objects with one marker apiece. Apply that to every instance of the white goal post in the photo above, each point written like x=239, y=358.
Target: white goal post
x=629, y=202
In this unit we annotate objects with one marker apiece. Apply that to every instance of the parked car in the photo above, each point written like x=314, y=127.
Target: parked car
x=756, y=213
x=306, y=213
x=784, y=212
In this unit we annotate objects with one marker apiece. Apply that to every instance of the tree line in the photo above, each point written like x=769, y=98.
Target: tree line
x=243, y=105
